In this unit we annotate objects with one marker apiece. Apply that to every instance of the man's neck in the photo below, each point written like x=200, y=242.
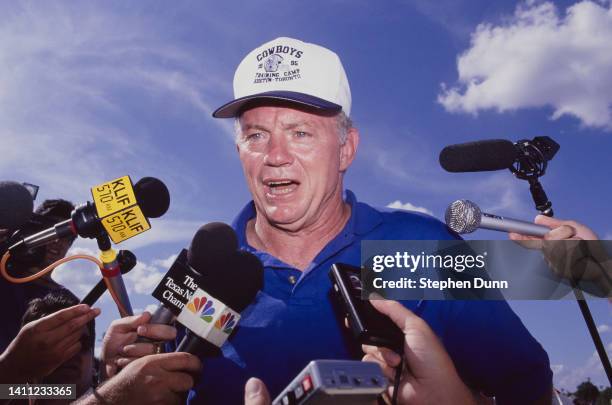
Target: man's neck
x=301, y=247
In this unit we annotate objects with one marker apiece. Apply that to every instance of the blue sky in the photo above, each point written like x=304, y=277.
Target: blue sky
x=92, y=91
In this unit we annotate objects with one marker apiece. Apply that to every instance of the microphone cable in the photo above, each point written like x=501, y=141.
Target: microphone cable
x=398, y=377
x=52, y=266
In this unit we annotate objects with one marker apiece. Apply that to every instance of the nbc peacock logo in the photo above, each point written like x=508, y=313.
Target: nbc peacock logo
x=204, y=306
x=226, y=323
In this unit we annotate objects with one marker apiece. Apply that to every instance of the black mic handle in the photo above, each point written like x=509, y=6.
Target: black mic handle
x=199, y=347
x=95, y=293
x=194, y=344
x=162, y=315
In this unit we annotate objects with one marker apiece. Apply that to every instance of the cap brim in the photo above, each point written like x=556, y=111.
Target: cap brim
x=232, y=108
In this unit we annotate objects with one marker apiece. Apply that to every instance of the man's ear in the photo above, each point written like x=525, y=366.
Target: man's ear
x=349, y=149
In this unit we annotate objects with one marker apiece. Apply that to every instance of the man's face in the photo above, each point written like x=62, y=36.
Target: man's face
x=293, y=163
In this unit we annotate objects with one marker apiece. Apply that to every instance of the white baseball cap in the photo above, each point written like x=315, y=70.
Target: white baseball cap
x=290, y=70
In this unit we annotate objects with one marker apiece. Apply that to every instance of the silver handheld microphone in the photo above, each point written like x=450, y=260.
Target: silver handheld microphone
x=464, y=216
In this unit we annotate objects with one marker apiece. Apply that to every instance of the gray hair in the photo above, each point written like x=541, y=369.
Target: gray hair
x=343, y=122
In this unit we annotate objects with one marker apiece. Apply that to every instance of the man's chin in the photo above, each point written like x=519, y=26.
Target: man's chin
x=283, y=218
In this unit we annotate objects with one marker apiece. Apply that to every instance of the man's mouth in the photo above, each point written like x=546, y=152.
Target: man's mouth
x=279, y=187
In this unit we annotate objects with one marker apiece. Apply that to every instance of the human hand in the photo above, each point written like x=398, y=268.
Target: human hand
x=154, y=379
x=119, y=347
x=43, y=345
x=429, y=375
x=568, y=254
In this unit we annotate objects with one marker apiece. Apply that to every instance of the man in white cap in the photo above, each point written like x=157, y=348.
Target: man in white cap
x=295, y=142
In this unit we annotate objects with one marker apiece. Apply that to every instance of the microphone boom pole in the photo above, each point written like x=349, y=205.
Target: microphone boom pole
x=529, y=162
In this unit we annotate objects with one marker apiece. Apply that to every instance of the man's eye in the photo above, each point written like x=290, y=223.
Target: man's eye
x=254, y=136
x=301, y=134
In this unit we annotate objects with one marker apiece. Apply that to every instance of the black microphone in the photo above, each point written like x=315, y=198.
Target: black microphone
x=126, y=261
x=16, y=205
x=480, y=156
x=210, y=245
x=464, y=216
x=152, y=197
x=213, y=312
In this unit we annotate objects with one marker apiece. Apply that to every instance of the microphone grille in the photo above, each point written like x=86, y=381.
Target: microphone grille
x=463, y=216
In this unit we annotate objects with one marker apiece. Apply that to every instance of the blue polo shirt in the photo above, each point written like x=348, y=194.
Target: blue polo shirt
x=292, y=321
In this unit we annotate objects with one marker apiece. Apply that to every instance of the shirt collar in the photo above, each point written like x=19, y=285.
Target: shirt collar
x=362, y=220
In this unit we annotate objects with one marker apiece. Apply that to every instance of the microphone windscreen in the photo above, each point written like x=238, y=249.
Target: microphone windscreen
x=235, y=281
x=152, y=196
x=210, y=245
x=16, y=205
x=230, y=275
x=480, y=156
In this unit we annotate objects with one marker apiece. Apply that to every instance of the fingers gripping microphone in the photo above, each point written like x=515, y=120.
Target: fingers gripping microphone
x=463, y=216
x=211, y=244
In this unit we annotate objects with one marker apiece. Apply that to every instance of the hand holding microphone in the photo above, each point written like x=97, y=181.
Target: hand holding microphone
x=568, y=253
x=120, y=346
x=429, y=375
x=562, y=242
x=156, y=379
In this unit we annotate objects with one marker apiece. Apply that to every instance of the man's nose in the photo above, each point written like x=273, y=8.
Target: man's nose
x=278, y=153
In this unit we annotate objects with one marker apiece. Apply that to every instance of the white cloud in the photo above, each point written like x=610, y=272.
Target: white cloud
x=143, y=278
x=497, y=192
x=417, y=170
x=165, y=263
x=79, y=276
x=603, y=328
x=397, y=204
x=164, y=231
x=540, y=58
x=452, y=15
x=69, y=76
x=149, y=308
x=557, y=368
x=592, y=369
